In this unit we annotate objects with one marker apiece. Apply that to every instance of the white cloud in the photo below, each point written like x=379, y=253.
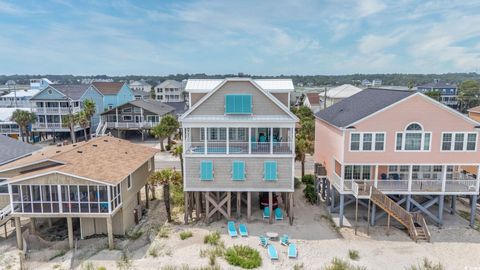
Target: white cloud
x=369, y=7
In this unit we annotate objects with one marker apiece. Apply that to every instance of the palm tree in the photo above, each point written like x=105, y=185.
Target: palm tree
x=70, y=121
x=23, y=120
x=171, y=124
x=84, y=123
x=166, y=177
x=178, y=152
x=303, y=146
x=161, y=132
x=89, y=109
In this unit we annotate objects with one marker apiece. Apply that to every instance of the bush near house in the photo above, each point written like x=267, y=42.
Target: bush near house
x=308, y=179
x=243, y=256
x=310, y=194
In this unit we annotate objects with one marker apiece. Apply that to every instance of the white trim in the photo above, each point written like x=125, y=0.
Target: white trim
x=59, y=172
x=374, y=137
x=241, y=155
x=129, y=177
x=95, y=89
x=452, y=143
x=266, y=189
x=33, y=97
x=422, y=143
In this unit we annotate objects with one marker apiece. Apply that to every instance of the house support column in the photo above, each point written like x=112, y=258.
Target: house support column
x=249, y=206
x=407, y=206
x=332, y=203
x=270, y=207
x=186, y=207
x=229, y=204
x=198, y=210
x=374, y=215
x=340, y=213
x=70, y=231
x=18, y=232
x=207, y=208
x=239, y=204
x=110, y=233
x=33, y=226
x=441, y=200
x=453, y=205
x=146, y=196
x=473, y=206
x=290, y=208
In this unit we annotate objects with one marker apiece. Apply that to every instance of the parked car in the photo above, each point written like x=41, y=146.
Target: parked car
x=264, y=200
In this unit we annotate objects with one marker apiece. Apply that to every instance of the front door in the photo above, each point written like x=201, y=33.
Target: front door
x=138, y=118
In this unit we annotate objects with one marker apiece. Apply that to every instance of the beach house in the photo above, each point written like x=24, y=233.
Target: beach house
x=402, y=150
x=239, y=142
x=169, y=91
x=93, y=186
x=448, y=92
x=114, y=94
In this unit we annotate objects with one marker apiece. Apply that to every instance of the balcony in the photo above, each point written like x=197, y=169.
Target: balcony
x=39, y=125
x=55, y=110
x=9, y=130
x=131, y=125
x=239, y=148
x=12, y=104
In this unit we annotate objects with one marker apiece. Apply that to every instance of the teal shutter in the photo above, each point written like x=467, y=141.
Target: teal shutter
x=238, y=170
x=238, y=104
x=247, y=103
x=229, y=103
x=270, y=170
x=206, y=170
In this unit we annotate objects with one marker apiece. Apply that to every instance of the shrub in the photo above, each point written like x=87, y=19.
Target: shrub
x=88, y=266
x=212, y=238
x=339, y=264
x=168, y=147
x=310, y=194
x=243, y=256
x=297, y=182
x=353, y=254
x=125, y=262
x=185, y=234
x=298, y=266
x=308, y=179
x=177, y=195
x=153, y=251
x=164, y=232
x=134, y=235
x=427, y=265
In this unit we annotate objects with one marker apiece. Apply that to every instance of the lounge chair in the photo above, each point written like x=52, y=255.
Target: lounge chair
x=266, y=212
x=243, y=230
x=263, y=241
x=272, y=252
x=284, y=240
x=278, y=214
x=231, y=229
x=292, y=251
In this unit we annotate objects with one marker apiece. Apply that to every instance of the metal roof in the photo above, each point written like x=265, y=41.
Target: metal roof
x=270, y=85
x=6, y=113
x=366, y=102
x=154, y=106
x=343, y=91
x=169, y=84
x=22, y=93
x=12, y=149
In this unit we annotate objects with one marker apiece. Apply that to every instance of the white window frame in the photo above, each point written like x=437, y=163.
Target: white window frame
x=129, y=182
x=422, y=142
x=127, y=110
x=452, y=143
x=123, y=118
x=374, y=137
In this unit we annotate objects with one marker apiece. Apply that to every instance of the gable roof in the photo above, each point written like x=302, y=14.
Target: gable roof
x=313, y=98
x=366, y=102
x=154, y=106
x=103, y=159
x=170, y=84
x=343, y=91
x=12, y=149
x=266, y=93
x=22, y=93
x=73, y=91
x=108, y=88
x=180, y=107
x=207, y=85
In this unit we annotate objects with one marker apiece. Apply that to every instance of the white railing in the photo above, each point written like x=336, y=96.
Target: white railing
x=19, y=104
x=99, y=128
x=5, y=212
x=5, y=130
x=132, y=125
x=47, y=126
x=56, y=110
x=238, y=147
x=417, y=186
x=261, y=147
x=282, y=148
x=214, y=147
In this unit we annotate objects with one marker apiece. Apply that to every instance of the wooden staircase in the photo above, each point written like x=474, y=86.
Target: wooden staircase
x=414, y=222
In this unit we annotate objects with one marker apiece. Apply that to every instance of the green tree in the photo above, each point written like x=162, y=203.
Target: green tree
x=171, y=125
x=303, y=146
x=469, y=94
x=89, y=110
x=23, y=120
x=166, y=177
x=410, y=85
x=178, y=152
x=84, y=123
x=433, y=94
x=304, y=141
x=161, y=132
x=70, y=121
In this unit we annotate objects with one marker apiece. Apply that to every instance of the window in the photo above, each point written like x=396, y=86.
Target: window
x=110, y=106
x=413, y=139
x=129, y=181
x=127, y=110
x=238, y=134
x=3, y=187
x=367, y=142
x=127, y=117
x=206, y=170
x=270, y=171
x=459, y=141
x=238, y=104
x=214, y=134
x=238, y=170
x=357, y=172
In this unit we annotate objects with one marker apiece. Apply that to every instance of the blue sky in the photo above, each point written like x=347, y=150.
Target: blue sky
x=256, y=37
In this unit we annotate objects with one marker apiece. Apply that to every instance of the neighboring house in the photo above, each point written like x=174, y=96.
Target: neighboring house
x=239, y=139
x=279, y=88
x=54, y=103
x=180, y=107
x=138, y=94
x=377, y=82
x=474, y=113
x=448, y=92
x=114, y=94
x=338, y=93
x=18, y=98
x=312, y=101
x=140, y=86
x=139, y=115
x=40, y=83
x=7, y=126
x=169, y=91
x=398, y=143
x=366, y=83
x=94, y=186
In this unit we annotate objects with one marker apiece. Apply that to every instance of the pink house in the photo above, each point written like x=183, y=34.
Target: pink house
x=408, y=146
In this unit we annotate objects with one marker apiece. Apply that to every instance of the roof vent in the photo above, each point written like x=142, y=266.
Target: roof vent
x=126, y=152
x=74, y=145
x=78, y=151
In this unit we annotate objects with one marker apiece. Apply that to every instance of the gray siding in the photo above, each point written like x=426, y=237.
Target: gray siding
x=215, y=104
x=222, y=167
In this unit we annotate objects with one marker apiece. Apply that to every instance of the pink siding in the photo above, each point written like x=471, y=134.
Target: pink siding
x=432, y=117
x=328, y=145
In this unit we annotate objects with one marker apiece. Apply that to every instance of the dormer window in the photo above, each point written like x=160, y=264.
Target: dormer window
x=238, y=104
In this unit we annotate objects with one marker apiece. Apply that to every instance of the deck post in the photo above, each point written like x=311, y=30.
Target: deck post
x=185, y=218
x=70, y=231
x=356, y=215
x=407, y=206
x=290, y=207
x=327, y=195
x=368, y=216
x=374, y=215
x=146, y=196
x=332, y=205
x=473, y=206
x=198, y=208
x=270, y=206
x=110, y=233
x=340, y=213
x=32, y=225
x=441, y=199
x=18, y=232
x=388, y=225
x=249, y=206
x=453, y=205
x=207, y=207
x=239, y=204
x=229, y=204
x=49, y=222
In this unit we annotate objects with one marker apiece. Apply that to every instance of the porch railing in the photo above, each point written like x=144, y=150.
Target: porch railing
x=5, y=130
x=214, y=147
x=132, y=125
x=419, y=186
x=55, y=110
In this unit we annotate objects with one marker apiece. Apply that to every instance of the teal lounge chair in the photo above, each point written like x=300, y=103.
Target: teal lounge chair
x=284, y=240
x=272, y=252
x=266, y=212
x=263, y=241
x=292, y=251
x=278, y=214
x=231, y=229
x=243, y=230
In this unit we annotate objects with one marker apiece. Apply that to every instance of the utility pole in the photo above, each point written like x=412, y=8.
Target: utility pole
x=325, y=98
